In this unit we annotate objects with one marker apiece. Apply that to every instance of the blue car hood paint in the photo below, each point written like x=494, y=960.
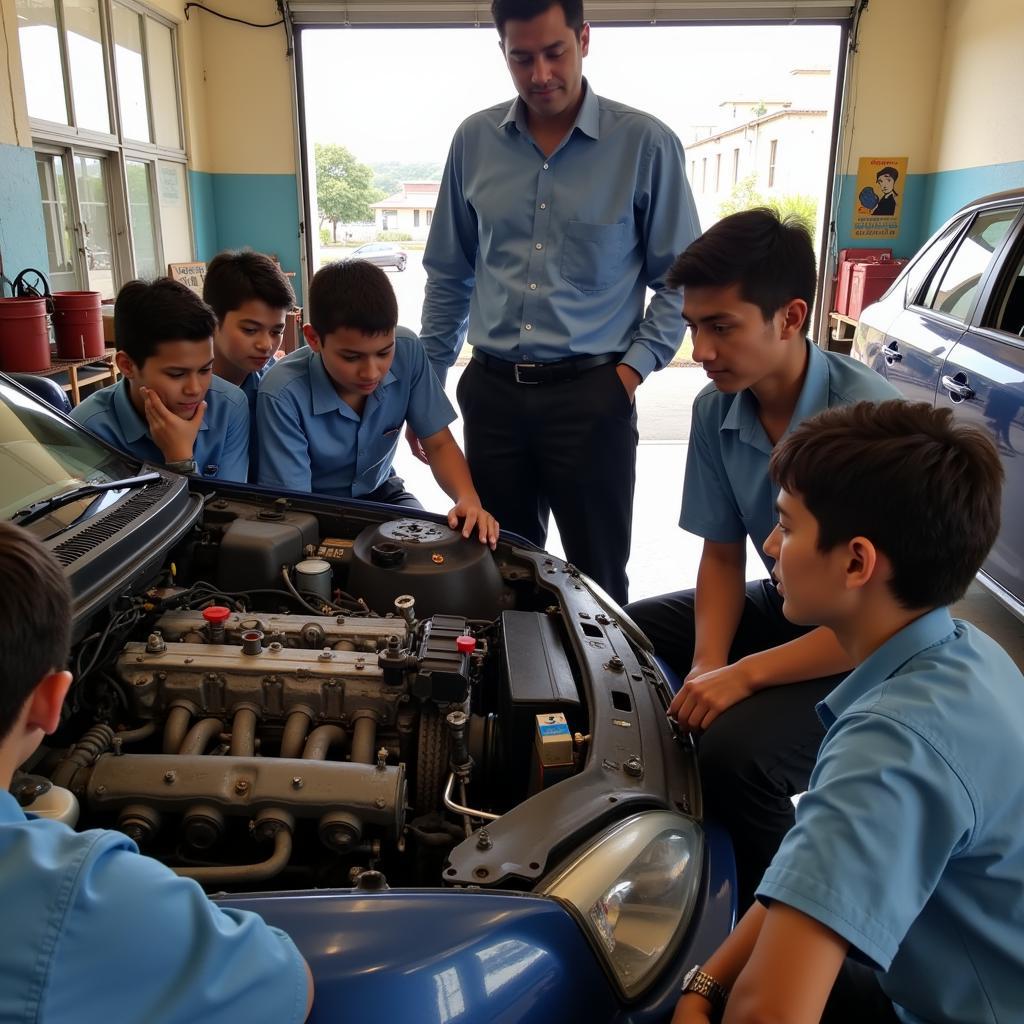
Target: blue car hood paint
x=440, y=956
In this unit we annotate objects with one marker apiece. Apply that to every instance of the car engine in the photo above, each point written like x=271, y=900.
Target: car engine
x=291, y=701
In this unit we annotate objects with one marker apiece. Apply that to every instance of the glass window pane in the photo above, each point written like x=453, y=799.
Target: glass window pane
x=174, y=223
x=41, y=61
x=94, y=207
x=131, y=76
x=162, y=84
x=60, y=239
x=955, y=294
x=140, y=211
x=85, y=54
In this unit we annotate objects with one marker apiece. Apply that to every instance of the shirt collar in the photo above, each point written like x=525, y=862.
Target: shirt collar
x=929, y=630
x=588, y=119
x=742, y=413
x=326, y=399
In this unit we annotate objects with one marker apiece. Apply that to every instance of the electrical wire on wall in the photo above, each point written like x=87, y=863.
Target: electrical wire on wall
x=228, y=17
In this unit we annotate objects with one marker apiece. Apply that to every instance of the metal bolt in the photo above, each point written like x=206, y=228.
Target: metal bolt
x=241, y=786
x=100, y=790
x=382, y=758
x=169, y=777
x=615, y=663
x=297, y=782
x=275, y=646
x=480, y=872
x=380, y=803
x=483, y=840
x=155, y=643
x=188, y=661
x=633, y=766
x=603, y=619
x=325, y=655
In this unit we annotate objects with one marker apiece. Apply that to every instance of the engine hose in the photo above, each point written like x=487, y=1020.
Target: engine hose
x=294, y=736
x=243, y=733
x=321, y=739
x=199, y=736
x=245, y=874
x=93, y=743
x=364, y=740
x=136, y=735
x=175, y=728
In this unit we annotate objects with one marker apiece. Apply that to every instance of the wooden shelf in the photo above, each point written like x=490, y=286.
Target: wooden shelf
x=82, y=372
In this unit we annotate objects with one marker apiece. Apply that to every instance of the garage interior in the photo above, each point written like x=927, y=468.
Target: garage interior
x=218, y=158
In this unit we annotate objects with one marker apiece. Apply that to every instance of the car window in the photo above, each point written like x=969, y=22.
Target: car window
x=1009, y=303
x=953, y=290
x=926, y=262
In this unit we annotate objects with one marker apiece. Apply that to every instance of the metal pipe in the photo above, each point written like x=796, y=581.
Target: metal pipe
x=175, y=728
x=459, y=809
x=136, y=735
x=198, y=737
x=320, y=740
x=295, y=730
x=243, y=733
x=364, y=740
x=238, y=874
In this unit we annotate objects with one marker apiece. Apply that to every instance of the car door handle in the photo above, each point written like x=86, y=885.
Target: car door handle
x=892, y=353
x=957, y=386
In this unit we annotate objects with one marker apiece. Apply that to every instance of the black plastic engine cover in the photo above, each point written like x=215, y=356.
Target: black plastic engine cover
x=443, y=571
x=253, y=549
x=443, y=671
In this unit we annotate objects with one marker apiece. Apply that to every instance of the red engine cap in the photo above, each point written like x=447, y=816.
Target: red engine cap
x=465, y=644
x=216, y=614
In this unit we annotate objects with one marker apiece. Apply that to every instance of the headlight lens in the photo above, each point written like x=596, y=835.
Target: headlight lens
x=634, y=888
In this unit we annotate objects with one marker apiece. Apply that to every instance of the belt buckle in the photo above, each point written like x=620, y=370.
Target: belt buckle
x=524, y=366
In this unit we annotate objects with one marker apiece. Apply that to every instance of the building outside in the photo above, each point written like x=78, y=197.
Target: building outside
x=409, y=211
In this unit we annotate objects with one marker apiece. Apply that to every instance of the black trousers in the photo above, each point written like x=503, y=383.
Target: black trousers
x=393, y=492
x=567, y=448
x=758, y=753
x=857, y=998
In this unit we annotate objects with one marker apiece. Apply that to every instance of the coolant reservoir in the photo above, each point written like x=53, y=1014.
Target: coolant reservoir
x=57, y=803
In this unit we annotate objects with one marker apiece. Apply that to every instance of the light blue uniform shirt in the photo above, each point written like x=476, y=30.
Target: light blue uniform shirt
x=250, y=387
x=550, y=257
x=910, y=841
x=727, y=492
x=93, y=933
x=311, y=440
x=222, y=444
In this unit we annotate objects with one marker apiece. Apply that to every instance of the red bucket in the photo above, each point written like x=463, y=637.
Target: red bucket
x=24, y=339
x=78, y=325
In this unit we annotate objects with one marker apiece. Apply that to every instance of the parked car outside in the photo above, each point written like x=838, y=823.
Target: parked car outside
x=382, y=254
x=447, y=772
x=950, y=331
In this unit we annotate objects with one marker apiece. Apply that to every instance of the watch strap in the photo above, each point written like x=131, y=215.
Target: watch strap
x=703, y=984
x=182, y=466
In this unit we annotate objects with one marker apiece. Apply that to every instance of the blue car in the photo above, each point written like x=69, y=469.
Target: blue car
x=447, y=772
x=950, y=332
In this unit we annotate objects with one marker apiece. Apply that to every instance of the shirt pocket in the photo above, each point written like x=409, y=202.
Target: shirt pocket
x=592, y=254
x=382, y=449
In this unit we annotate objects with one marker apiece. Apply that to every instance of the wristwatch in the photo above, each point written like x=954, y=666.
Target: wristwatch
x=186, y=466
x=703, y=984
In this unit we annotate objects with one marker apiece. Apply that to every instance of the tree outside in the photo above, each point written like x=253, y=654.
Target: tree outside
x=344, y=187
x=745, y=196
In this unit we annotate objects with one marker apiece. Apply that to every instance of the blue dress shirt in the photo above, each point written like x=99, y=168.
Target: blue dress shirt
x=250, y=388
x=222, y=444
x=550, y=257
x=93, y=933
x=727, y=492
x=311, y=440
x=909, y=843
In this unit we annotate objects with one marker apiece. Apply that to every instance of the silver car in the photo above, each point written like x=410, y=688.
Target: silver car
x=382, y=254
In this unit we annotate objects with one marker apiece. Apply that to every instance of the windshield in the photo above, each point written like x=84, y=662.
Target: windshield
x=42, y=455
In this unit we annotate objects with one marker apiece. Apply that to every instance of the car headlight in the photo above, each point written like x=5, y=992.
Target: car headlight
x=633, y=889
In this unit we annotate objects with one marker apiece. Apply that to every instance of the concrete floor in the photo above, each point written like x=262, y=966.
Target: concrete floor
x=663, y=556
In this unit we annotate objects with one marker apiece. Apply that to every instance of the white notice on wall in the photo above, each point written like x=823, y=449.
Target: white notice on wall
x=170, y=188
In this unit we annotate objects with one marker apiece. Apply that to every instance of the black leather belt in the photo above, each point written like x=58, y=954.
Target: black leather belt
x=544, y=373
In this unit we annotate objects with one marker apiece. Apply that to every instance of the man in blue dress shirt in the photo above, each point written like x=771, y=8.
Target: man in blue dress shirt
x=169, y=408
x=898, y=895
x=329, y=416
x=555, y=215
x=751, y=679
x=91, y=930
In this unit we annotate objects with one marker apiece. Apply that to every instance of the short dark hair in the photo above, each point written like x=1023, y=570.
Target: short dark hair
x=236, y=276
x=35, y=608
x=921, y=487
x=891, y=171
x=147, y=313
x=772, y=260
x=352, y=293
x=503, y=11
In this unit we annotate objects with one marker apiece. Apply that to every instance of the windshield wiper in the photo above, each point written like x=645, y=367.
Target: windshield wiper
x=42, y=508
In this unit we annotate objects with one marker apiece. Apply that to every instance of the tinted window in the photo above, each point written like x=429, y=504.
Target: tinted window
x=953, y=290
x=923, y=266
x=1008, y=307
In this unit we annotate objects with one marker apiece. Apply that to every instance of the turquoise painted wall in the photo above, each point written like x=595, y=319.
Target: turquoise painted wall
x=22, y=233
x=931, y=199
x=258, y=211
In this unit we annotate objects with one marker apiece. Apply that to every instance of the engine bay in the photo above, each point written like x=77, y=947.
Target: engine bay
x=296, y=700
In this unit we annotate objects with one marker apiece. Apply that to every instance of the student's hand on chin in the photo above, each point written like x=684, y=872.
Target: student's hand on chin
x=175, y=437
x=473, y=515
x=706, y=694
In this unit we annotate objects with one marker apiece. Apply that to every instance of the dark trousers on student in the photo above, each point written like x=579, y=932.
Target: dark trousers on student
x=759, y=752
x=857, y=998
x=564, y=445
